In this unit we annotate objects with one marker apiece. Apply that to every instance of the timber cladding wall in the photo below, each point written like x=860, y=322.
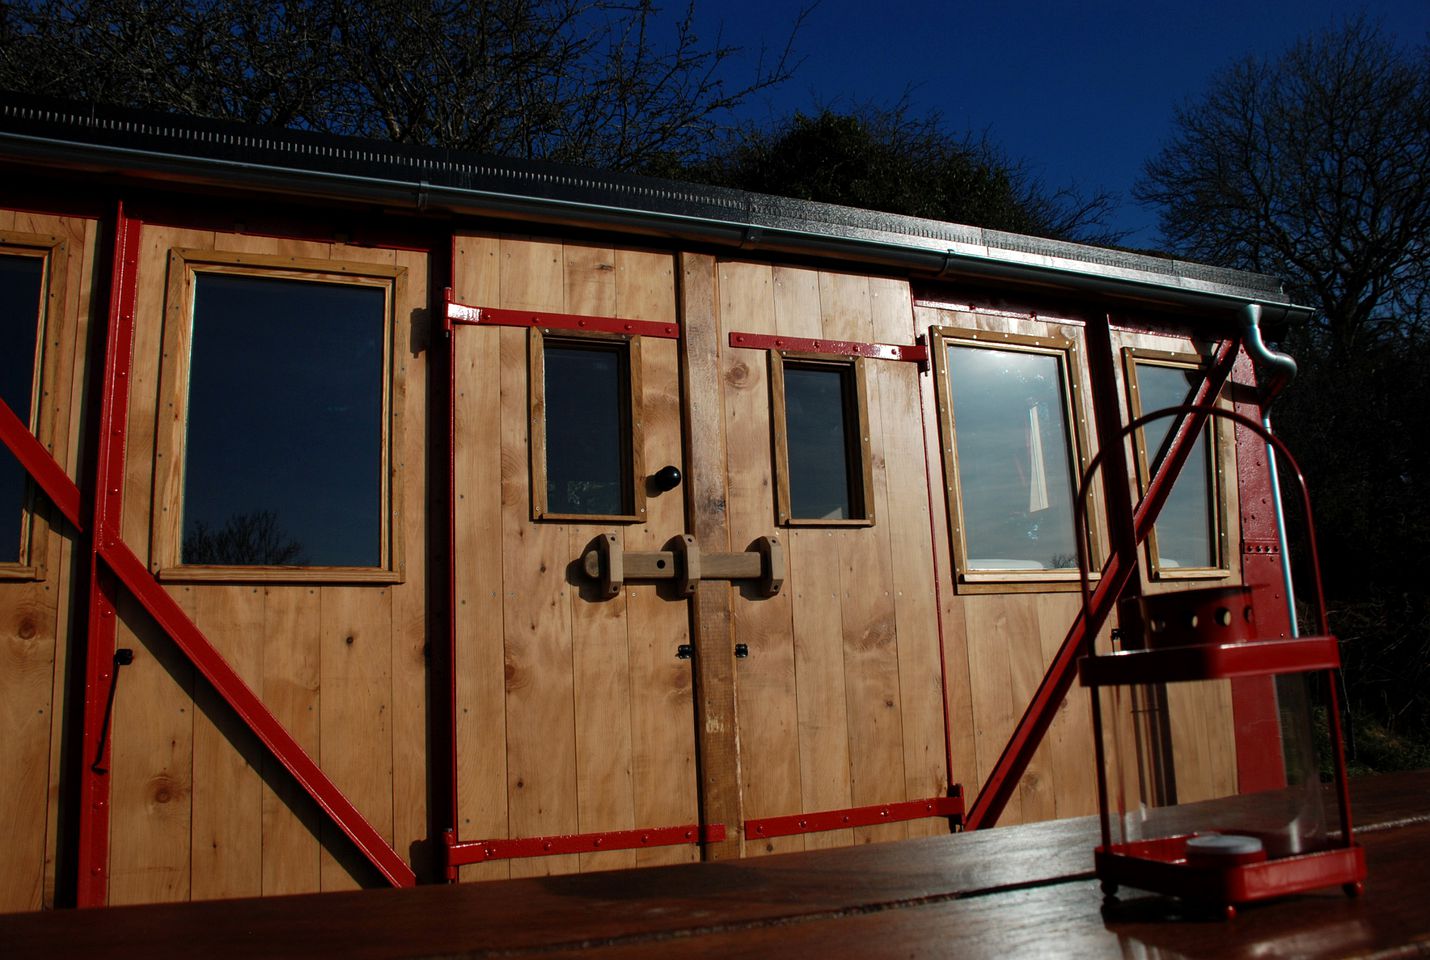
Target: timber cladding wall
x=574, y=712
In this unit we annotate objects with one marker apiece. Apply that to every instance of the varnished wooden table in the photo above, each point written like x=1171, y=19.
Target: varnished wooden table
x=1015, y=891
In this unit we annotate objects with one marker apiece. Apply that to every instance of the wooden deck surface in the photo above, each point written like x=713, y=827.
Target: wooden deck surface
x=1015, y=891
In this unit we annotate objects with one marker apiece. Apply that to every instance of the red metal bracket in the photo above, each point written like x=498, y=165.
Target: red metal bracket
x=916, y=352
x=40, y=464
x=480, y=851
x=951, y=807
x=462, y=314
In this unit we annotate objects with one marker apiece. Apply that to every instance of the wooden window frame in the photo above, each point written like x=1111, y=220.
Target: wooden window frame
x=1069, y=354
x=168, y=507
x=50, y=326
x=633, y=438
x=856, y=421
x=1216, y=467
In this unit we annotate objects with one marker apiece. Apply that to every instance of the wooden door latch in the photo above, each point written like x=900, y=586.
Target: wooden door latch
x=608, y=563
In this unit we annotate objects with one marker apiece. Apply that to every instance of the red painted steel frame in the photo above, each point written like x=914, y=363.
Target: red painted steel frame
x=1116, y=574
x=461, y=314
x=766, y=827
x=479, y=851
x=916, y=352
x=48, y=475
x=108, y=492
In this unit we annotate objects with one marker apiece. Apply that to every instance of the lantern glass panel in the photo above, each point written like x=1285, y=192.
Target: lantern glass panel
x=1178, y=767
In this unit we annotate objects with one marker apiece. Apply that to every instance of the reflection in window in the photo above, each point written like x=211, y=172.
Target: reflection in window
x=1185, y=532
x=588, y=429
x=283, y=459
x=1015, y=458
x=21, y=283
x=823, y=450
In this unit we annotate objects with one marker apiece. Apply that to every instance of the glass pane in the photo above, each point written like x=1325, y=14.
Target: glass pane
x=587, y=430
x=21, y=279
x=1015, y=459
x=284, y=450
x=817, y=430
x=1185, y=535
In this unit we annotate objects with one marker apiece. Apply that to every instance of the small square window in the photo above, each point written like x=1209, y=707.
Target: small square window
x=1188, y=539
x=585, y=423
x=823, y=471
x=282, y=444
x=1013, y=454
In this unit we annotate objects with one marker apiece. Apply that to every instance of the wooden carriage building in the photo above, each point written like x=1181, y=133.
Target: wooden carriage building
x=380, y=515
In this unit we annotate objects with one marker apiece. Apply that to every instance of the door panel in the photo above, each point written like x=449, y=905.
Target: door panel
x=840, y=699
x=574, y=714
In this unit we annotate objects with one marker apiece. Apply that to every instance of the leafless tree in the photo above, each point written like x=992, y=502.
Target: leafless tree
x=245, y=539
x=1311, y=167
x=614, y=84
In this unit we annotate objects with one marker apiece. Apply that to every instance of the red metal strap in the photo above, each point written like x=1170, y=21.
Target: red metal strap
x=461, y=313
x=479, y=851
x=916, y=352
x=765, y=827
x=40, y=464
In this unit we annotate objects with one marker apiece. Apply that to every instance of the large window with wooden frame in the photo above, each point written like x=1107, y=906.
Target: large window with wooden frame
x=31, y=270
x=586, y=427
x=820, y=432
x=1189, y=537
x=277, y=463
x=1013, y=450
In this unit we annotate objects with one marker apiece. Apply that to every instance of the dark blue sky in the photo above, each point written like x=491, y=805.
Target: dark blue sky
x=1081, y=92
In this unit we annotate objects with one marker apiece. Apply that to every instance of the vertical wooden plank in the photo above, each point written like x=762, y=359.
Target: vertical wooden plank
x=601, y=661
x=355, y=723
x=871, y=654
x=906, y=516
x=1038, y=787
x=818, y=634
x=291, y=658
x=27, y=645
x=707, y=502
x=1069, y=739
x=410, y=759
x=662, y=713
x=228, y=798
x=992, y=621
x=480, y=657
x=541, y=734
x=768, y=716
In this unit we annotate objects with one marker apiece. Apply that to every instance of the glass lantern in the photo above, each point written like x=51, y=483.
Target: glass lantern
x=1181, y=813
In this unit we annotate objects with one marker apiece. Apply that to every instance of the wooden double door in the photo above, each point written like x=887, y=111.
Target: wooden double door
x=577, y=712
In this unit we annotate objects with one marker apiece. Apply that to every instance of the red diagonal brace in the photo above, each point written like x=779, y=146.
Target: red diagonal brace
x=250, y=709
x=38, y=462
x=1029, y=733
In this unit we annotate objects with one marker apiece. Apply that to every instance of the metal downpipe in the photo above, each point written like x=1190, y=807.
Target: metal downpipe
x=1284, y=370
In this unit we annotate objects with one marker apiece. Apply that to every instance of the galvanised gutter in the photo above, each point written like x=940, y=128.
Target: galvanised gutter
x=219, y=154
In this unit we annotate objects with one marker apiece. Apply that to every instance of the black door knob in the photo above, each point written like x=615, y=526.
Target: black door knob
x=666, y=478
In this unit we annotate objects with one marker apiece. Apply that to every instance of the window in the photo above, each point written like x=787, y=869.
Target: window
x=585, y=427
x=823, y=471
x=1012, y=448
x=31, y=268
x=1187, y=538
x=283, y=428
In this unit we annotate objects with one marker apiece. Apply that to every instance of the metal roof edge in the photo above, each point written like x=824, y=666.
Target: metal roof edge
x=219, y=153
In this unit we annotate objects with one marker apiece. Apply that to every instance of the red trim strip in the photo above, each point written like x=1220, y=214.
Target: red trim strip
x=107, y=487
x=916, y=352
x=462, y=314
x=40, y=464
x=250, y=709
x=480, y=851
x=765, y=827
